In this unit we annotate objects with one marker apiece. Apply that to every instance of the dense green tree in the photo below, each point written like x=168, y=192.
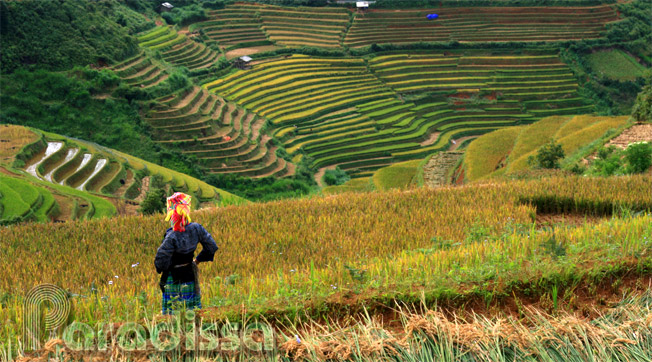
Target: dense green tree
x=154, y=202
x=642, y=110
x=548, y=155
x=639, y=157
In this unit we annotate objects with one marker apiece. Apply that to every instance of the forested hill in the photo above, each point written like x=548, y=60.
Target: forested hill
x=57, y=35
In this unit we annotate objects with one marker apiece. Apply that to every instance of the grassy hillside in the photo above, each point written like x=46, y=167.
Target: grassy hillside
x=51, y=177
x=615, y=64
x=507, y=151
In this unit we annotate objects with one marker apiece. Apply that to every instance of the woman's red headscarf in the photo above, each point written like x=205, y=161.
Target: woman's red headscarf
x=178, y=206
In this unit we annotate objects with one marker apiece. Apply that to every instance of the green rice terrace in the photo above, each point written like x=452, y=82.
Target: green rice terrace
x=393, y=180
x=353, y=112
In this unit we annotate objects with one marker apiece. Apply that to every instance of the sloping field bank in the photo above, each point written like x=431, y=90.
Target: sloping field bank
x=507, y=151
x=478, y=24
x=349, y=111
x=333, y=255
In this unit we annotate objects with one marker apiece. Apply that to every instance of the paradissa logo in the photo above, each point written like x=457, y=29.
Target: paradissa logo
x=178, y=332
x=45, y=309
x=182, y=331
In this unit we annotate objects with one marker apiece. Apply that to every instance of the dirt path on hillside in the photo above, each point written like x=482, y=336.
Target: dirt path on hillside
x=144, y=188
x=431, y=139
x=320, y=174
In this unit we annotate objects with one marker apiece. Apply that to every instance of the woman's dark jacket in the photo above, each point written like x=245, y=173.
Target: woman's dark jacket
x=178, y=248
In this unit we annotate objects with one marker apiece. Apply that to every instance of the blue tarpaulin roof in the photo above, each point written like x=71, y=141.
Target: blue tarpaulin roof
x=432, y=16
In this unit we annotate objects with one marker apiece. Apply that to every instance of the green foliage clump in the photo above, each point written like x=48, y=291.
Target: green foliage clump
x=185, y=15
x=154, y=202
x=267, y=188
x=336, y=177
x=548, y=155
x=638, y=157
x=608, y=162
x=642, y=110
x=57, y=35
x=261, y=189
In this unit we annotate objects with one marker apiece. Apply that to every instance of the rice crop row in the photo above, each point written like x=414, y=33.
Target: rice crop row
x=178, y=50
x=475, y=24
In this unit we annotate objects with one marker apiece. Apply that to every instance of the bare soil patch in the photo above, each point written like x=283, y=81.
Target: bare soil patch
x=248, y=51
x=431, y=139
x=144, y=187
x=66, y=208
x=635, y=133
x=129, y=180
x=438, y=169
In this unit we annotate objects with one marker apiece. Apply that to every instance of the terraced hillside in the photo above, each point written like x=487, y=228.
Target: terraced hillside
x=178, y=49
x=353, y=113
x=480, y=24
x=60, y=179
x=140, y=71
x=364, y=114
x=320, y=27
x=233, y=26
x=242, y=23
x=224, y=136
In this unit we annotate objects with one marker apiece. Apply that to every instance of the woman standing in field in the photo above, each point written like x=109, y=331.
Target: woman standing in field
x=174, y=258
